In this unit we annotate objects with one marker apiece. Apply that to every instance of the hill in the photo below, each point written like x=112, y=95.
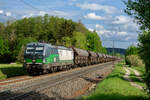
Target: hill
x=50, y=29
x=116, y=50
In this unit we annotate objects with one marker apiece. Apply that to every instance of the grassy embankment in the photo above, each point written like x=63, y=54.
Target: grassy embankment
x=141, y=70
x=114, y=87
x=11, y=70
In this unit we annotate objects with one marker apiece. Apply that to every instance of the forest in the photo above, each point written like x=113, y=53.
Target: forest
x=14, y=35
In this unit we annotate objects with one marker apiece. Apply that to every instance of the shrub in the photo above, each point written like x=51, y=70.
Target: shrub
x=144, y=46
x=134, y=60
x=131, y=50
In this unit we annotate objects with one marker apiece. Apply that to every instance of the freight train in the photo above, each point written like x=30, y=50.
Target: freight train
x=41, y=58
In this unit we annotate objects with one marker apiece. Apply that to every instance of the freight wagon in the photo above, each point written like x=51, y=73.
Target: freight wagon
x=42, y=58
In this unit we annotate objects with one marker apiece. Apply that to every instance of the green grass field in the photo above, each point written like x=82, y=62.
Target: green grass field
x=11, y=70
x=114, y=87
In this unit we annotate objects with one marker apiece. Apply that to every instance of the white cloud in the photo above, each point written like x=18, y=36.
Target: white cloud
x=122, y=33
x=42, y=13
x=94, y=6
x=131, y=27
x=101, y=30
x=90, y=29
x=122, y=20
x=99, y=27
x=27, y=16
x=125, y=24
x=93, y=16
x=127, y=38
x=1, y=12
x=111, y=33
x=24, y=16
x=31, y=14
x=8, y=13
x=59, y=13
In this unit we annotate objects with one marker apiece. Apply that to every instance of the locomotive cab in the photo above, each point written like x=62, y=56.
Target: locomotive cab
x=34, y=54
x=34, y=57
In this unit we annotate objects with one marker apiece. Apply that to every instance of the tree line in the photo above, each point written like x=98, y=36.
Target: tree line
x=140, y=11
x=50, y=29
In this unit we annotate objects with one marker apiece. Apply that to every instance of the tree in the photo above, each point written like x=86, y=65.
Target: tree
x=140, y=10
x=2, y=28
x=94, y=43
x=79, y=40
x=131, y=50
x=145, y=53
x=3, y=46
x=4, y=50
x=49, y=29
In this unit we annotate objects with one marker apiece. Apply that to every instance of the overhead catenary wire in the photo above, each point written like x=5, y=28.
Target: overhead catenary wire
x=114, y=43
x=28, y=4
x=116, y=40
x=33, y=7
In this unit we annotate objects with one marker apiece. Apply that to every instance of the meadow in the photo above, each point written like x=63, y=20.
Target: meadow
x=115, y=87
x=11, y=70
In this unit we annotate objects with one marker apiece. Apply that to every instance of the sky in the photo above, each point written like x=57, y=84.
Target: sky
x=106, y=17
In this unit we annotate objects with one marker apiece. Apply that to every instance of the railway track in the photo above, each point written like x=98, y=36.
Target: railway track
x=20, y=79
x=14, y=80
x=27, y=90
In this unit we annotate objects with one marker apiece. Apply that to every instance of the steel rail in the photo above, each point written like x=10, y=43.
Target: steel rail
x=52, y=81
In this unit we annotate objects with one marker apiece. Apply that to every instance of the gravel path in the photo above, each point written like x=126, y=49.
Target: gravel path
x=137, y=75
x=127, y=77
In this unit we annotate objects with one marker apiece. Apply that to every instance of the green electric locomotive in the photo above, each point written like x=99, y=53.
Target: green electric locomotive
x=43, y=58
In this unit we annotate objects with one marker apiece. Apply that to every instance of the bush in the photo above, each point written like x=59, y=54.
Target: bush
x=134, y=60
x=131, y=50
x=144, y=46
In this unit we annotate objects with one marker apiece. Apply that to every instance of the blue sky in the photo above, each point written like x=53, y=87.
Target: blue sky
x=105, y=16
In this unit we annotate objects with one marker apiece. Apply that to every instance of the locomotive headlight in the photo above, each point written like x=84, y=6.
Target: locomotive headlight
x=44, y=61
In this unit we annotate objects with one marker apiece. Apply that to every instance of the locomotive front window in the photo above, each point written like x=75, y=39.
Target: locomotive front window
x=30, y=50
x=36, y=50
x=39, y=50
